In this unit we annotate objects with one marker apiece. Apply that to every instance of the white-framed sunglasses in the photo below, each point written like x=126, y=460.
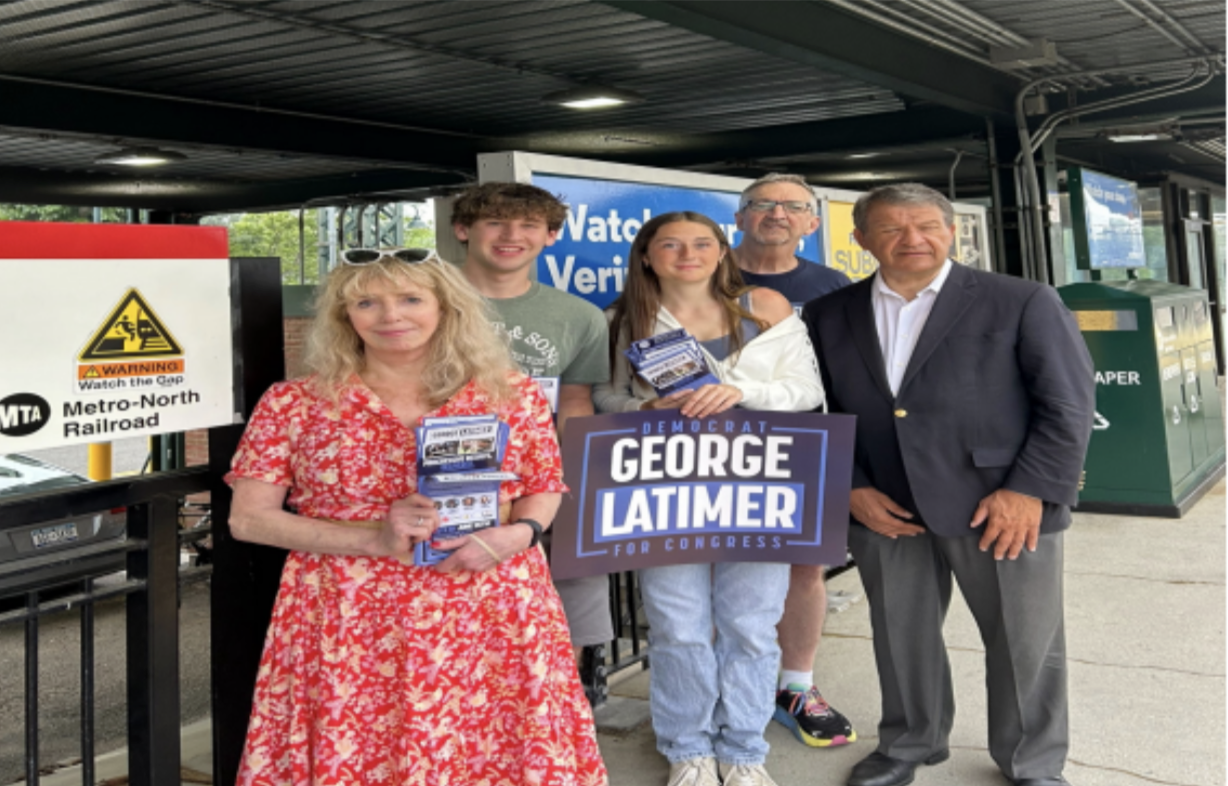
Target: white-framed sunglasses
x=410, y=256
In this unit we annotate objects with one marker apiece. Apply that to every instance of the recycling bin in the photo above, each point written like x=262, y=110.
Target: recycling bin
x=1158, y=439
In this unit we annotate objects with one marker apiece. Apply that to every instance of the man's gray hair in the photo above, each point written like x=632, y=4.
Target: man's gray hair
x=901, y=194
x=779, y=177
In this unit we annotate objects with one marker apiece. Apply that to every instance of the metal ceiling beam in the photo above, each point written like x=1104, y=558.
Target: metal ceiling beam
x=1151, y=162
x=118, y=114
x=915, y=128
x=831, y=39
x=41, y=187
x=1207, y=99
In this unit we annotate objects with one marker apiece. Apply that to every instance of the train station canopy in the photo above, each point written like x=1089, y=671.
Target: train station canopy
x=272, y=103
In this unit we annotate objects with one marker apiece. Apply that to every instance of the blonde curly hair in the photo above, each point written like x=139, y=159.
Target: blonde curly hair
x=464, y=346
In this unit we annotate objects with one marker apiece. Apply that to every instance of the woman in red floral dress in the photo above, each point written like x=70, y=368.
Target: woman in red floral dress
x=376, y=671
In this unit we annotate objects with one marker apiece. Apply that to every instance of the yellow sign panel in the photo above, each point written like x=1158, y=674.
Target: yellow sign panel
x=132, y=331
x=846, y=256
x=1099, y=321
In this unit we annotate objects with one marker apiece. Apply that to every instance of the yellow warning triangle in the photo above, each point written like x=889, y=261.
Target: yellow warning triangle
x=132, y=331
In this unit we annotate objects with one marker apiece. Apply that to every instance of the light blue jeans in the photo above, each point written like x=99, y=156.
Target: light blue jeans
x=713, y=698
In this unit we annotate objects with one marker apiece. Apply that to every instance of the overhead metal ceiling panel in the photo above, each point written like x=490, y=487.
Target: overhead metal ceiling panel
x=478, y=66
x=1091, y=34
x=78, y=155
x=437, y=81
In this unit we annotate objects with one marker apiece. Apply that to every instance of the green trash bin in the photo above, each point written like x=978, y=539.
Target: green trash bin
x=1158, y=440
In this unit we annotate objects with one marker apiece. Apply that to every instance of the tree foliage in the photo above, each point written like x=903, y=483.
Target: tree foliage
x=420, y=238
x=272, y=235
x=69, y=214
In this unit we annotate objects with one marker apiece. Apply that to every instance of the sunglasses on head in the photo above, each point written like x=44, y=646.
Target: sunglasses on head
x=410, y=256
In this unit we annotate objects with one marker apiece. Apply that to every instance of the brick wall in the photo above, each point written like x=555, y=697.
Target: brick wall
x=294, y=331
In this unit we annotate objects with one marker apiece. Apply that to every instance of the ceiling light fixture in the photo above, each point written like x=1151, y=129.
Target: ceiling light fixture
x=592, y=97
x=863, y=155
x=416, y=222
x=140, y=157
x=1145, y=133
x=1036, y=52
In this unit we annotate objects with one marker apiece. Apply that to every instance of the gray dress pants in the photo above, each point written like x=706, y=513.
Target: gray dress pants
x=1017, y=605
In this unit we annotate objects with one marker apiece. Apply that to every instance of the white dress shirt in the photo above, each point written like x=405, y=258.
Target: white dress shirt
x=901, y=321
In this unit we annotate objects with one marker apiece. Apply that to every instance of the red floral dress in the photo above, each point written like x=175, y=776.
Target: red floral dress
x=376, y=672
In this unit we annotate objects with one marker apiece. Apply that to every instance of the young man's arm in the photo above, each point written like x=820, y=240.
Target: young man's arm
x=574, y=401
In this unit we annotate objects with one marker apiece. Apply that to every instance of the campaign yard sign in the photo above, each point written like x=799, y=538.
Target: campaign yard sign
x=656, y=488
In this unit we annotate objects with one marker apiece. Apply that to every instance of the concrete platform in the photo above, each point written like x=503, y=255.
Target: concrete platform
x=1145, y=620
x=1145, y=635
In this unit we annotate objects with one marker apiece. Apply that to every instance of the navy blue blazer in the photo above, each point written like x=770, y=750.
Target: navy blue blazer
x=999, y=393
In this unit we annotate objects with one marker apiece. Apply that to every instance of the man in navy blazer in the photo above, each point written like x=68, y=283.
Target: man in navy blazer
x=974, y=395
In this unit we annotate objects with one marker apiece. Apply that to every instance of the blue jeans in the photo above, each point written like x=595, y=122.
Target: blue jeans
x=713, y=698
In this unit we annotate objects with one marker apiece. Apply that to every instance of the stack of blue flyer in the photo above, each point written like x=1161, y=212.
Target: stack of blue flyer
x=671, y=362
x=458, y=468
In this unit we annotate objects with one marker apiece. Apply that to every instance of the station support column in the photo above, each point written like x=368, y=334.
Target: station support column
x=1015, y=246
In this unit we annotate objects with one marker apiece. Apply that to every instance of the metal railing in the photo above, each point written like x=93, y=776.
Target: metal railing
x=151, y=587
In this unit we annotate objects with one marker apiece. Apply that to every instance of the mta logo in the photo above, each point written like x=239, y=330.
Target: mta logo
x=22, y=414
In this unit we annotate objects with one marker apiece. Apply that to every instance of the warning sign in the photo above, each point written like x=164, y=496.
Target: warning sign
x=139, y=369
x=138, y=343
x=132, y=331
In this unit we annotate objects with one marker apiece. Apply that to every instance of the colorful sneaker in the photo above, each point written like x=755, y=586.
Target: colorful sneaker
x=811, y=719
x=745, y=775
x=694, y=772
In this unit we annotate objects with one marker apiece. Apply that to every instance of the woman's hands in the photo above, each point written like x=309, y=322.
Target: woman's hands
x=486, y=548
x=707, y=400
x=410, y=521
x=503, y=541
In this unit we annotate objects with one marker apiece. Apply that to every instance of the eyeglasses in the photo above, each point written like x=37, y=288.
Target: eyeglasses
x=796, y=206
x=410, y=256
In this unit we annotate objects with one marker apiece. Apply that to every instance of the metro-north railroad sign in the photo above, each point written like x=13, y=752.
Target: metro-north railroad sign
x=112, y=331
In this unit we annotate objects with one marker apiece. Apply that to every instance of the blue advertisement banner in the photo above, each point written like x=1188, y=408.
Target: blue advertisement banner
x=656, y=488
x=603, y=217
x=1114, y=222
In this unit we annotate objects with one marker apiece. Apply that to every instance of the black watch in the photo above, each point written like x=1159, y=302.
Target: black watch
x=537, y=530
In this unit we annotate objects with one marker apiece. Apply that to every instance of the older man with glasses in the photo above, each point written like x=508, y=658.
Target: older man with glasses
x=777, y=211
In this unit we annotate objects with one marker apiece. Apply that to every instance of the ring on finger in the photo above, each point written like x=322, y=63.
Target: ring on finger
x=420, y=521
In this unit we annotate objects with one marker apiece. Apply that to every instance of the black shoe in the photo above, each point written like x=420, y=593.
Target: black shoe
x=1053, y=780
x=879, y=769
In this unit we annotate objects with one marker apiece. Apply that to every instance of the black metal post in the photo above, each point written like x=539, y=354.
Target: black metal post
x=32, y=688
x=87, y=686
x=153, y=645
x=1009, y=210
x=245, y=577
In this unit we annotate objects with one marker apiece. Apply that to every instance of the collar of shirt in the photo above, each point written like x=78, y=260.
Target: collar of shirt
x=934, y=287
x=899, y=323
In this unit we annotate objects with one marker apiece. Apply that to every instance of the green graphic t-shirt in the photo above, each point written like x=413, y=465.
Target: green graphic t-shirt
x=555, y=337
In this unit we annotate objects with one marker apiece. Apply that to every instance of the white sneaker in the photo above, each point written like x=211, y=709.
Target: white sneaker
x=694, y=772
x=745, y=775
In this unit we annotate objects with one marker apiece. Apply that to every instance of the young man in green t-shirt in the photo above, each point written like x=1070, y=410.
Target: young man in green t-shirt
x=557, y=338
